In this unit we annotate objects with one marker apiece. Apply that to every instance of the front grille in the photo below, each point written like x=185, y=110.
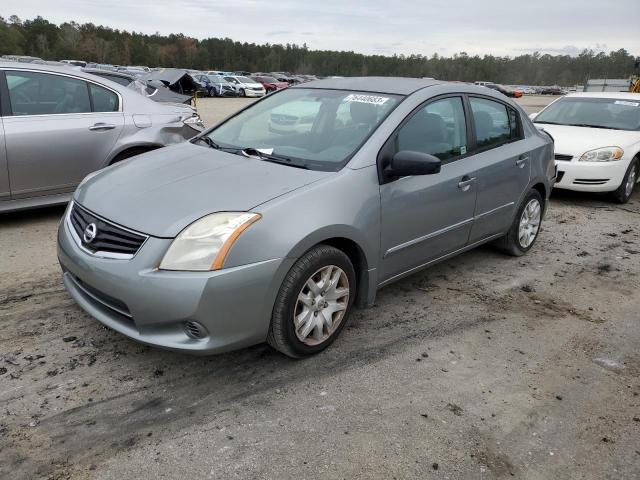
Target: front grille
x=106, y=300
x=564, y=158
x=109, y=237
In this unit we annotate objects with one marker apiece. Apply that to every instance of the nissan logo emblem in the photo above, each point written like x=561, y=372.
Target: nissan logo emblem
x=90, y=232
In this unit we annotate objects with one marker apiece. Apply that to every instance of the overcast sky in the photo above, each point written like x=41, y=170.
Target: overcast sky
x=369, y=26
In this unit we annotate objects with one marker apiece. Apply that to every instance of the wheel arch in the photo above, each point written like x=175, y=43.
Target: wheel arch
x=355, y=248
x=124, y=152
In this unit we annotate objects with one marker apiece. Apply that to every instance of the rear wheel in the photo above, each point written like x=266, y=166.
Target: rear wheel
x=313, y=303
x=625, y=190
x=525, y=227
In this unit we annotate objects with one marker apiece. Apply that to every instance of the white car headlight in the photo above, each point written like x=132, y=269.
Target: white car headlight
x=605, y=154
x=204, y=244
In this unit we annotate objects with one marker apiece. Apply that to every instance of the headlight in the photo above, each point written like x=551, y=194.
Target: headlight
x=195, y=122
x=204, y=244
x=605, y=154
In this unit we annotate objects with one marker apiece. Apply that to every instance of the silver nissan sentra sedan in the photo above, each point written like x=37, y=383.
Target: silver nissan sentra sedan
x=250, y=233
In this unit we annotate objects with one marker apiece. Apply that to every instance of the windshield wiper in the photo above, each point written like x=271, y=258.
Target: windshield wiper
x=549, y=123
x=591, y=126
x=269, y=157
x=211, y=144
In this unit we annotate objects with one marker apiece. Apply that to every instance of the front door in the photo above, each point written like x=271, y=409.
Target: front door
x=426, y=217
x=60, y=128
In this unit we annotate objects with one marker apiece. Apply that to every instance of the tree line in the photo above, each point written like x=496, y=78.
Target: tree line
x=41, y=38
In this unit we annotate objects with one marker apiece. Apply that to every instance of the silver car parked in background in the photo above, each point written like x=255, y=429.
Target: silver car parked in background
x=59, y=124
x=246, y=234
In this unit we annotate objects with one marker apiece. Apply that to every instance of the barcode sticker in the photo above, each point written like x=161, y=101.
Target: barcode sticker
x=372, y=99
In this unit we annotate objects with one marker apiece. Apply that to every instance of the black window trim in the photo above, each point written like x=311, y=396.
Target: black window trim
x=387, y=150
x=5, y=102
x=474, y=144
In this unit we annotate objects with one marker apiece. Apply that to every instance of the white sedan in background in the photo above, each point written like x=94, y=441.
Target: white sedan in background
x=597, y=141
x=245, y=86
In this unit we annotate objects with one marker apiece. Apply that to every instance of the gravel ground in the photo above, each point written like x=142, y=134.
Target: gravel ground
x=482, y=367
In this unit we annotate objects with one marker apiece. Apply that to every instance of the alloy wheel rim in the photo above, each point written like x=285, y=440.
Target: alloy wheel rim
x=321, y=305
x=631, y=181
x=529, y=223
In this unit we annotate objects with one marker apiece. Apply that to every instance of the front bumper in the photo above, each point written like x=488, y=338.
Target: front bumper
x=254, y=93
x=590, y=176
x=151, y=306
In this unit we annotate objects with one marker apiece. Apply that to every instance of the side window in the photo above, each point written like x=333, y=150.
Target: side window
x=514, y=127
x=438, y=129
x=495, y=123
x=32, y=93
x=103, y=100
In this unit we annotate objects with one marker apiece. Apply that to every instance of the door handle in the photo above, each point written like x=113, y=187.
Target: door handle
x=522, y=159
x=102, y=126
x=465, y=183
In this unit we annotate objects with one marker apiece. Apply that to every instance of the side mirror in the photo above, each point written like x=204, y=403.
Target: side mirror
x=532, y=116
x=408, y=163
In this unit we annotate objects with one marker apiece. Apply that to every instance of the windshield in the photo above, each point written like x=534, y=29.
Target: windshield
x=617, y=114
x=216, y=79
x=311, y=128
x=245, y=80
x=266, y=79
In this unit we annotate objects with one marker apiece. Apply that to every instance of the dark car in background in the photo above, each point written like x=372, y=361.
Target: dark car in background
x=270, y=84
x=221, y=87
x=204, y=86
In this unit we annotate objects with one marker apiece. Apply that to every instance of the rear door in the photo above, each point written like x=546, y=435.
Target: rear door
x=503, y=165
x=59, y=129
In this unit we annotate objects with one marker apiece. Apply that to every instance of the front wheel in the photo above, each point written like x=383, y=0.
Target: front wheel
x=243, y=92
x=525, y=227
x=625, y=190
x=313, y=303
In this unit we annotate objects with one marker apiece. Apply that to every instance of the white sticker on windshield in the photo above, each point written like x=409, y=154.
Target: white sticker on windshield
x=372, y=99
x=628, y=104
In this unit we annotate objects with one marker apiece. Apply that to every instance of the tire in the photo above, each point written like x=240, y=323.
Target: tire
x=320, y=324
x=623, y=193
x=243, y=92
x=513, y=243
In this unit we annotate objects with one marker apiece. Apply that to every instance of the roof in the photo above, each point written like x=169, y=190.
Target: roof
x=625, y=95
x=391, y=85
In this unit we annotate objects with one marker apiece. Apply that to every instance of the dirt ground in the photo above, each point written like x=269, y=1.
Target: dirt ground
x=482, y=367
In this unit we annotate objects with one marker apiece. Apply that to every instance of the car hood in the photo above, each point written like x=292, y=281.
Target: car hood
x=161, y=192
x=577, y=140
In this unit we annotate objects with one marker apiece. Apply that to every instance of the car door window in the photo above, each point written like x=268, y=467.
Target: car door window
x=495, y=123
x=103, y=100
x=33, y=93
x=438, y=129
